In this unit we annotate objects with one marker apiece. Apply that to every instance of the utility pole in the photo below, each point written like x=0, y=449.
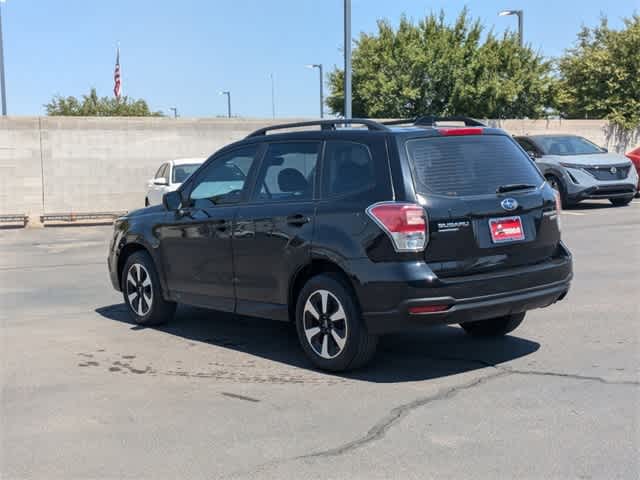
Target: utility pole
x=319, y=67
x=347, y=58
x=228, y=94
x=273, y=97
x=3, y=88
x=520, y=14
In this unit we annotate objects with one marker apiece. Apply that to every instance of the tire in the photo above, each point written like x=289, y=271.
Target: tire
x=494, y=327
x=620, y=202
x=319, y=335
x=558, y=185
x=141, y=291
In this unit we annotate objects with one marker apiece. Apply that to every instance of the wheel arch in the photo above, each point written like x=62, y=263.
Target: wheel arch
x=125, y=252
x=317, y=266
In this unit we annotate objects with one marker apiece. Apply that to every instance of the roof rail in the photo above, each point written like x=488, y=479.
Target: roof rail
x=325, y=124
x=403, y=121
x=432, y=120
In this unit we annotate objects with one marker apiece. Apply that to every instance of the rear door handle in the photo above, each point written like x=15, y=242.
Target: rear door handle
x=297, y=219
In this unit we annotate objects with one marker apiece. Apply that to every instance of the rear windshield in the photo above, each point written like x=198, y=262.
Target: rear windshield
x=467, y=165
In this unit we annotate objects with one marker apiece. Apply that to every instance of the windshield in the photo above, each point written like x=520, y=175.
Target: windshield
x=182, y=172
x=567, y=145
x=469, y=165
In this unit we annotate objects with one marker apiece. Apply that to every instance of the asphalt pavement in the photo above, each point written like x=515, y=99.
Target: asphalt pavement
x=88, y=395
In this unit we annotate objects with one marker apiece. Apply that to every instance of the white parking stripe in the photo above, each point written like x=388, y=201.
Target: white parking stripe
x=564, y=212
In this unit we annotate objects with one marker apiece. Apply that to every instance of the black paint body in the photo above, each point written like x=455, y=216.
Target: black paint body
x=252, y=258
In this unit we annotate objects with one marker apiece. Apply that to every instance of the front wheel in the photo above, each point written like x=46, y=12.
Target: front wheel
x=330, y=326
x=557, y=185
x=142, y=293
x=620, y=202
x=494, y=327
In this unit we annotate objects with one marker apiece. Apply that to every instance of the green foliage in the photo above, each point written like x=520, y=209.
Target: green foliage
x=434, y=68
x=93, y=106
x=600, y=76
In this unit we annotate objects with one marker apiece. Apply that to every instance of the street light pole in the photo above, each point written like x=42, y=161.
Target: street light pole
x=347, y=58
x=273, y=97
x=175, y=111
x=319, y=67
x=520, y=14
x=228, y=94
x=3, y=89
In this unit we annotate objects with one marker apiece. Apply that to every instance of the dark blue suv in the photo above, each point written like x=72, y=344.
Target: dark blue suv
x=352, y=229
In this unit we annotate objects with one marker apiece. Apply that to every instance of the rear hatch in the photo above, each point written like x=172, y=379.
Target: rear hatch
x=487, y=204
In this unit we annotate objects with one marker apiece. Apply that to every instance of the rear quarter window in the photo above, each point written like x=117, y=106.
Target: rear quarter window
x=459, y=166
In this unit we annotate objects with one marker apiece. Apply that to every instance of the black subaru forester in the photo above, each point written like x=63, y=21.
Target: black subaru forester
x=352, y=230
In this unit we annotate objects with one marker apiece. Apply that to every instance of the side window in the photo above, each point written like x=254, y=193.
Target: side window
x=167, y=172
x=288, y=172
x=348, y=168
x=223, y=180
x=160, y=172
x=527, y=145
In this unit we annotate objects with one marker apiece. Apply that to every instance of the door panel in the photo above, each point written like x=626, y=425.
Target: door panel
x=196, y=245
x=273, y=233
x=196, y=249
x=270, y=242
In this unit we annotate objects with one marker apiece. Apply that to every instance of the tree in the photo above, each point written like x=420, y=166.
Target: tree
x=600, y=76
x=434, y=68
x=93, y=106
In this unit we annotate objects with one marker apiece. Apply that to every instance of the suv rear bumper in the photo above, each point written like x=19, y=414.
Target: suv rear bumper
x=468, y=298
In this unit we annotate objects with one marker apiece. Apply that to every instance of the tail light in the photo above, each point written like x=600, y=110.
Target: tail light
x=558, y=208
x=406, y=224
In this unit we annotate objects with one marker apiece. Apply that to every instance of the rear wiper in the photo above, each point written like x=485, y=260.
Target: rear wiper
x=513, y=187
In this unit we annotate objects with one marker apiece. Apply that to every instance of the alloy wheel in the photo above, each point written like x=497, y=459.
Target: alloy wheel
x=325, y=324
x=139, y=289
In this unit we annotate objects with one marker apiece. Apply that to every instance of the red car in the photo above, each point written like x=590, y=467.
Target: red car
x=634, y=156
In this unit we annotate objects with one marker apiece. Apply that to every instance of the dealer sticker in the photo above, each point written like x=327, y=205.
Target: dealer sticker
x=506, y=229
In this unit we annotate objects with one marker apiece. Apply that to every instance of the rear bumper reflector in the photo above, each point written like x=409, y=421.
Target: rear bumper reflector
x=419, y=309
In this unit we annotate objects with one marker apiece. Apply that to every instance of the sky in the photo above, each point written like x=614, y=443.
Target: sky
x=182, y=53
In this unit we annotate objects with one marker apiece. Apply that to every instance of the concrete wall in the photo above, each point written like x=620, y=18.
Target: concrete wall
x=70, y=164
x=20, y=166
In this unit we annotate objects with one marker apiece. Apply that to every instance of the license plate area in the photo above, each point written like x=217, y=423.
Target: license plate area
x=506, y=229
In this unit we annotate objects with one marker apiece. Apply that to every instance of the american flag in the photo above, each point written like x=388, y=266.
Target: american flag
x=116, y=76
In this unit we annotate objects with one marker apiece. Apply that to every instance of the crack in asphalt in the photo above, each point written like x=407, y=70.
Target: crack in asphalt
x=398, y=413
x=380, y=429
x=571, y=376
x=541, y=373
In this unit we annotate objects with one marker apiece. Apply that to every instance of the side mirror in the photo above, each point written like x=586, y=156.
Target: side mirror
x=172, y=201
x=604, y=149
x=160, y=181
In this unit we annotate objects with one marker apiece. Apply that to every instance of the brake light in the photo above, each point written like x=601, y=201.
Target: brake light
x=405, y=223
x=460, y=131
